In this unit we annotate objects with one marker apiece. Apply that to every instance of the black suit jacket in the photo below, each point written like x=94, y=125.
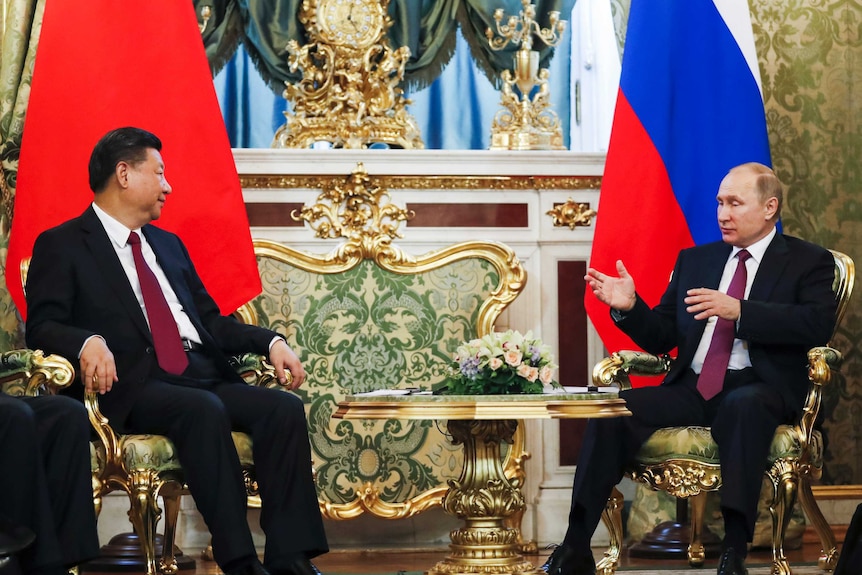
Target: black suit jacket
x=791, y=308
x=76, y=288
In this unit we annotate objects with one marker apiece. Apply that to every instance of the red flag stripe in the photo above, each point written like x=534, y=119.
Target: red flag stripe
x=135, y=63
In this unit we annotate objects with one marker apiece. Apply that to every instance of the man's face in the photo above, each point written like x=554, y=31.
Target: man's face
x=742, y=217
x=148, y=188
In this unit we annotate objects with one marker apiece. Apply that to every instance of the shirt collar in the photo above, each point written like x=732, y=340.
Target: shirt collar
x=117, y=232
x=758, y=248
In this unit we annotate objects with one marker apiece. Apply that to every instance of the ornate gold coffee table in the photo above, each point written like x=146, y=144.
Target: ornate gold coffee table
x=483, y=497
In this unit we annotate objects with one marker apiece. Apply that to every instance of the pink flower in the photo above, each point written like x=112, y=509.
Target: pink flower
x=513, y=357
x=546, y=375
x=495, y=363
x=528, y=373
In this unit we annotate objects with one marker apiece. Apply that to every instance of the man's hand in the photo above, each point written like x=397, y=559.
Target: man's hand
x=618, y=293
x=282, y=358
x=98, y=370
x=706, y=303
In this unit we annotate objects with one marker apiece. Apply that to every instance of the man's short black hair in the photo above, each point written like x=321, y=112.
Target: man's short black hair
x=121, y=145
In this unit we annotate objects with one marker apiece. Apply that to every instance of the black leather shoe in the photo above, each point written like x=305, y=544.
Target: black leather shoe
x=299, y=567
x=731, y=563
x=13, y=538
x=251, y=568
x=566, y=561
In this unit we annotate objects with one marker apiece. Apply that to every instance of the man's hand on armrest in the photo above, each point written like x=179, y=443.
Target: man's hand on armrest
x=283, y=358
x=98, y=370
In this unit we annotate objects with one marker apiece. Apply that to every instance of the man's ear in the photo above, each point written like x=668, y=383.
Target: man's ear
x=771, y=207
x=121, y=171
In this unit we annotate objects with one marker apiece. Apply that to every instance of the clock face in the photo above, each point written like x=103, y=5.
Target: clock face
x=350, y=22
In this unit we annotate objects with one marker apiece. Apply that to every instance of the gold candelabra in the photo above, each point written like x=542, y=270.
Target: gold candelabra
x=526, y=121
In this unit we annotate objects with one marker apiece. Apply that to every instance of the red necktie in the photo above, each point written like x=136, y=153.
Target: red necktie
x=711, y=378
x=166, y=336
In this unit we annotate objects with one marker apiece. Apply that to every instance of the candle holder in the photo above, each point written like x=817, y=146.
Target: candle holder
x=526, y=121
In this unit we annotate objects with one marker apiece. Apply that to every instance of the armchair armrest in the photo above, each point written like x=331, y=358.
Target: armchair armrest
x=31, y=372
x=823, y=364
x=615, y=370
x=254, y=369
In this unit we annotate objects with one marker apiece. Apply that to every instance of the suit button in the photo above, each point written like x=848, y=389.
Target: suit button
x=150, y=350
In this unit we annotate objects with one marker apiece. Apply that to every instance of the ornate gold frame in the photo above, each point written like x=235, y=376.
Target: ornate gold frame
x=362, y=214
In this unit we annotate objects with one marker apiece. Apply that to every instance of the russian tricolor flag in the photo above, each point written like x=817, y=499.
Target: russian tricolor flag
x=689, y=108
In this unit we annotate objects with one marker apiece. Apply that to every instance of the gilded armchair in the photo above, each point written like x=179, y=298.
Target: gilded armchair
x=683, y=461
x=144, y=466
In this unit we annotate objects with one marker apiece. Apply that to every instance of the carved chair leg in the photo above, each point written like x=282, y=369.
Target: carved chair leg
x=171, y=498
x=829, y=548
x=785, y=479
x=144, y=512
x=696, y=553
x=612, y=517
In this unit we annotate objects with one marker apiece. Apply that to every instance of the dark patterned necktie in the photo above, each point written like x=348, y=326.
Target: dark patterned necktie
x=163, y=327
x=711, y=378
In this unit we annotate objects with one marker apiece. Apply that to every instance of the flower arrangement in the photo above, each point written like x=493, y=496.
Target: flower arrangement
x=502, y=363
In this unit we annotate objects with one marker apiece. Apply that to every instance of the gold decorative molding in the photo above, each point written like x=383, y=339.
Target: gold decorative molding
x=348, y=95
x=397, y=182
x=824, y=492
x=680, y=478
x=358, y=211
x=572, y=214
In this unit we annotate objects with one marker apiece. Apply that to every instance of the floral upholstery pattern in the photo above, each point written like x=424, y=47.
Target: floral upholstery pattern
x=696, y=443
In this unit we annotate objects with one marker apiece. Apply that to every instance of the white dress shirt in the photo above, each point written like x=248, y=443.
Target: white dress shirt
x=119, y=236
x=739, y=358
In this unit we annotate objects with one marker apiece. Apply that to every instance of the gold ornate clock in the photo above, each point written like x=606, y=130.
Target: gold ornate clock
x=350, y=23
x=349, y=94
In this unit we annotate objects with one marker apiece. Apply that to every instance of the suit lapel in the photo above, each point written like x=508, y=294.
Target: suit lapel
x=169, y=262
x=99, y=243
x=769, y=271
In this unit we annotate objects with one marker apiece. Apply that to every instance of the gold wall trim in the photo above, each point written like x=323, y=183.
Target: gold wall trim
x=394, y=182
x=837, y=491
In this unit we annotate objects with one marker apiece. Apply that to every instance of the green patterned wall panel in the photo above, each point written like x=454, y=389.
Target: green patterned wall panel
x=810, y=54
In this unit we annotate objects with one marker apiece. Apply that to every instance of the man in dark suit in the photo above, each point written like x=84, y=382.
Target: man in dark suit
x=123, y=297
x=47, y=517
x=783, y=305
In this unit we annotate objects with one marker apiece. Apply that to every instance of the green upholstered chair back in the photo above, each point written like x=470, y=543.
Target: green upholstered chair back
x=362, y=324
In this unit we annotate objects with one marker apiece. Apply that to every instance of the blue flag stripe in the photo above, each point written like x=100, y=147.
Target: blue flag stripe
x=689, y=84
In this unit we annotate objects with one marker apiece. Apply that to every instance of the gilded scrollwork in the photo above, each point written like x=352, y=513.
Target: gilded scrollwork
x=349, y=94
x=572, y=214
x=680, y=478
x=361, y=213
x=34, y=372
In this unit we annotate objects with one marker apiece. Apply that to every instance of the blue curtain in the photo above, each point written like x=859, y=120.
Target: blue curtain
x=454, y=112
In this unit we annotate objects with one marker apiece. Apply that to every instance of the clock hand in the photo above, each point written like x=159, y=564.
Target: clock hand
x=350, y=17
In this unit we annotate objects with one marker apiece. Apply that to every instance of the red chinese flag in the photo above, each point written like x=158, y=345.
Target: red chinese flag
x=105, y=64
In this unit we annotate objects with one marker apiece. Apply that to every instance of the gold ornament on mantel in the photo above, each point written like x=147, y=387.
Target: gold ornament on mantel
x=348, y=95
x=525, y=123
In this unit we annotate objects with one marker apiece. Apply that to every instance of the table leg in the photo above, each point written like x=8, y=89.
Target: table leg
x=483, y=497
